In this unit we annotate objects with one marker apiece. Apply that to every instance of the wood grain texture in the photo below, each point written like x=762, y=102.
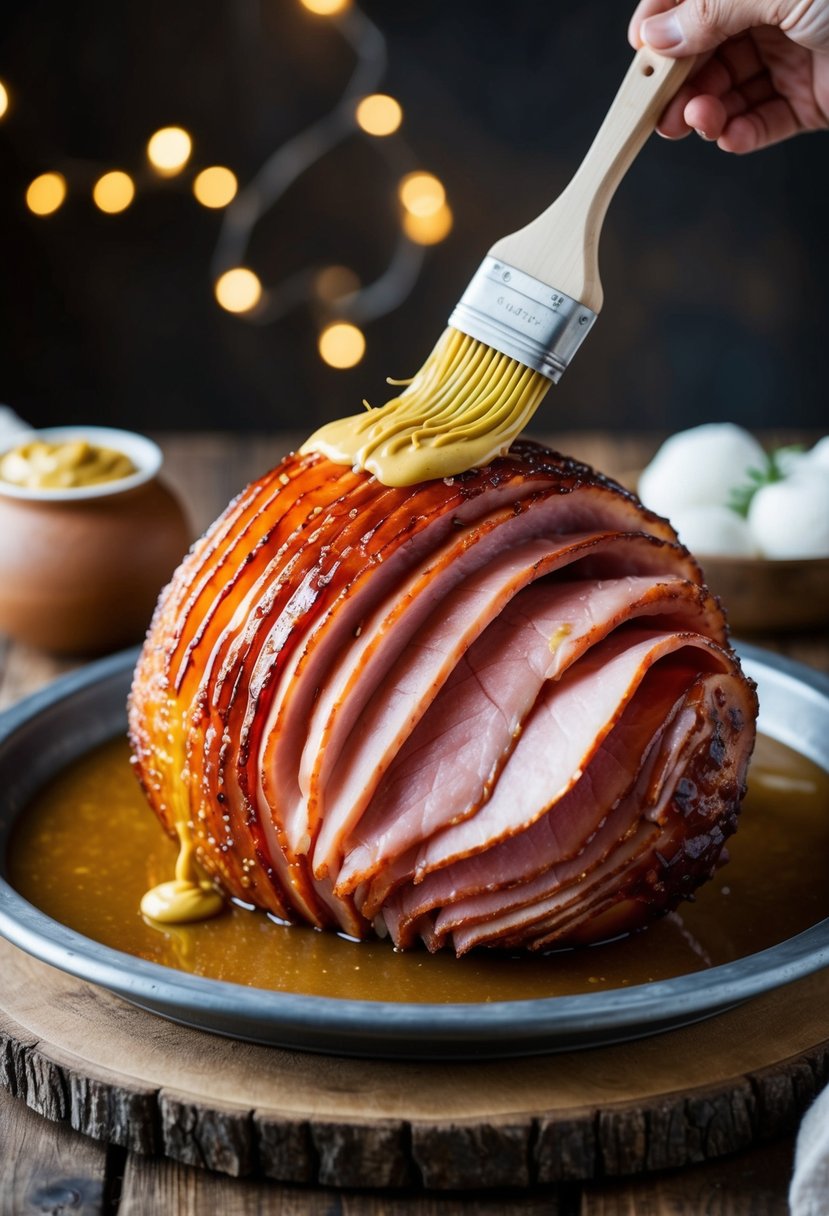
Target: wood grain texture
x=561, y=246
x=167, y=1187
x=82, y=1056
x=750, y=1184
x=46, y=1170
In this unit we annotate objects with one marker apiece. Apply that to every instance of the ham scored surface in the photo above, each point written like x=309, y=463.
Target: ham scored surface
x=497, y=710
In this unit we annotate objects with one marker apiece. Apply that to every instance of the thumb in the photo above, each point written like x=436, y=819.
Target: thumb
x=696, y=26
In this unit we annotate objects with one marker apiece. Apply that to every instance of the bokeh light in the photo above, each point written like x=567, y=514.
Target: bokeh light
x=46, y=193
x=422, y=194
x=215, y=186
x=238, y=290
x=4, y=99
x=341, y=345
x=379, y=114
x=428, y=229
x=113, y=192
x=333, y=282
x=325, y=8
x=169, y=150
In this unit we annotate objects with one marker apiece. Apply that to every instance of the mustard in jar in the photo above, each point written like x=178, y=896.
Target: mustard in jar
x=39, y=465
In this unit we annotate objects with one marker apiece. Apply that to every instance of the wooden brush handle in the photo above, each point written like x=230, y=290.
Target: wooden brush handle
x=560, y=247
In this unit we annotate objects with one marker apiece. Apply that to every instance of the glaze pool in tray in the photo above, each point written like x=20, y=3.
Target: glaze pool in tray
x=88, y=847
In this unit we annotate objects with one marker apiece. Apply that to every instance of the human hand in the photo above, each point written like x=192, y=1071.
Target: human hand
x=763, y=74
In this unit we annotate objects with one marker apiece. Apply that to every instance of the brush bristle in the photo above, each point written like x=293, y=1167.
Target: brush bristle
x=463, y=408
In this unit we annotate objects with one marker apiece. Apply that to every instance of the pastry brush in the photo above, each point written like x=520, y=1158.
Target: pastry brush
x=528, y=308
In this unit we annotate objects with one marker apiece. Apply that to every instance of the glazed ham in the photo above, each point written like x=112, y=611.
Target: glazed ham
x=496, y=710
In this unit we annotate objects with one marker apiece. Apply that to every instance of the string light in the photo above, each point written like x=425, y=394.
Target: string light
x=169, y=150
x=325, y=8
x=46, y=193
x=428, y=229
x=352, y=303
x=422, y=194
x=425, y=217
x=238, y=290
x=113, y=192
x=334, y=282
x=341, y=345
x=215, y=187
x=379, y=114
x=4, y=99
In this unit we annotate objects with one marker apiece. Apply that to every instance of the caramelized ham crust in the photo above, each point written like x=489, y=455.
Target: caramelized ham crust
x=499, y=709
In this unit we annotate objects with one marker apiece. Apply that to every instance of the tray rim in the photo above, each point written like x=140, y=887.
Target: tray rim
x=378, y=1029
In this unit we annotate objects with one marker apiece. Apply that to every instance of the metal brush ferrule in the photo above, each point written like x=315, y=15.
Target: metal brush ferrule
x=522, y=317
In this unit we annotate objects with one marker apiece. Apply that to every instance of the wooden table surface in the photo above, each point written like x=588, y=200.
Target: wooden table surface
x=47, y=1168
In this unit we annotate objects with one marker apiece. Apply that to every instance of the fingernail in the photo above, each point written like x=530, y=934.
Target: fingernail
x=702, y=135
x=663, y=32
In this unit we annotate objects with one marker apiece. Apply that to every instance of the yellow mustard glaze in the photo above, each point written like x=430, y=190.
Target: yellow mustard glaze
x=181, y=903
x=38, y=465
x=463, y=408
x=185, y=898
x=564, y=630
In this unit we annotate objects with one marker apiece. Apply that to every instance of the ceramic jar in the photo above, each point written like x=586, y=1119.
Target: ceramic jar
x=81, y=568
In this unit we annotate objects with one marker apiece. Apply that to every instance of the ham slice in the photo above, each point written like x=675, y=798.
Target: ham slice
x=469, y=711
x=529, y=636
x=626, y=844
x=489, y=881
x=450, y=762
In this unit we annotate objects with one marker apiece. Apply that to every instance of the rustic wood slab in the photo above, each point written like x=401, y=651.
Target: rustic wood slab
x=78, y=1054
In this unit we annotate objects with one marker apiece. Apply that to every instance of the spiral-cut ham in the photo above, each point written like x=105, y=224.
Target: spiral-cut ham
x=499, y=709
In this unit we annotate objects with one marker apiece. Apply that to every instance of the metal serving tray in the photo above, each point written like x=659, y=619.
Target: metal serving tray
x=47, y=731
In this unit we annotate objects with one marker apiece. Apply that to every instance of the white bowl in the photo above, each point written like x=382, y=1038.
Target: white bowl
x=144, y=454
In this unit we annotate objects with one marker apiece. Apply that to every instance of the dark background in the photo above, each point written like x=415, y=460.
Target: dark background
x=714, y=267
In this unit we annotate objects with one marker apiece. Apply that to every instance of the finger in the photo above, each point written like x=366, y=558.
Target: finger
x=672, y=124
x=674, y=133
x=768, y=124
x=750, y=96
x=712, y=78
x=718, y=76
x=723, y=73
x=741, y=57
x=643, y=10
x=694, y=26
x=707, y=116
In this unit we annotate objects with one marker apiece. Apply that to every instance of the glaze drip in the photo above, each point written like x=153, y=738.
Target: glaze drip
x=185, y=898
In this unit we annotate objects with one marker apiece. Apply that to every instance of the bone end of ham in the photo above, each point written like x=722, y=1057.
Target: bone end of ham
x=499, y=711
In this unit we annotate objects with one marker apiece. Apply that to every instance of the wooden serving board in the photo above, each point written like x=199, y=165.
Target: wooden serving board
x=78, y=1054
